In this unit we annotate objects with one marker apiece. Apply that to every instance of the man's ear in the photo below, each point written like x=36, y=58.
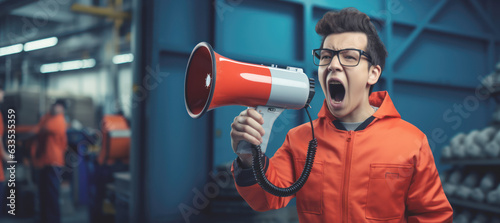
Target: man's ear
x=374, y=74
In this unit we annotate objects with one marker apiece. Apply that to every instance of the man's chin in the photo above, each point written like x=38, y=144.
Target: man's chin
x=338, y=113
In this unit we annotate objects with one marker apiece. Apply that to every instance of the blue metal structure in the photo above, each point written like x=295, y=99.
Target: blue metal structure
x=438, y=52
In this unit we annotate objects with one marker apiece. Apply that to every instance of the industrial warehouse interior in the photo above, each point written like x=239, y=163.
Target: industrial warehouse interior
x=128, y=111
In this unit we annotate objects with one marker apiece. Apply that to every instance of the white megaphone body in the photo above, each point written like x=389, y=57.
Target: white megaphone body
x=213, y=81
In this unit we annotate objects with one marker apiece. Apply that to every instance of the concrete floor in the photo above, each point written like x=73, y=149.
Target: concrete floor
x=69, y=213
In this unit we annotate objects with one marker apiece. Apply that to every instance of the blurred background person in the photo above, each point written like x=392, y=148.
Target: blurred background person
x=47, y=155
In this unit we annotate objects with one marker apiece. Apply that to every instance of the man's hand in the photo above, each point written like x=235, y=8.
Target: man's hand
x=247, y=126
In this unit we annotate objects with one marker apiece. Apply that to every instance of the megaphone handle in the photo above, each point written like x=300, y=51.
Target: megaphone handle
x=269, y=114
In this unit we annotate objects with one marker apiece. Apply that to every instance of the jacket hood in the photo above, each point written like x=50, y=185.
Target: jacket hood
x=378, y=99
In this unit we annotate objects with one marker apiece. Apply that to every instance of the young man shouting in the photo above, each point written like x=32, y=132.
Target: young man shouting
x=370, y=165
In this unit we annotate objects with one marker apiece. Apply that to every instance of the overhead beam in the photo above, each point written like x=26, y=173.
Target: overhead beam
x=483, y=15
x=61, y=35
x=417, y=31
x=100, y=11
x=7, y=6
x=431, y=27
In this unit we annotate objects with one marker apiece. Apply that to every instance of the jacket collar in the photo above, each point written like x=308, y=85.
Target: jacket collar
x=378, y=99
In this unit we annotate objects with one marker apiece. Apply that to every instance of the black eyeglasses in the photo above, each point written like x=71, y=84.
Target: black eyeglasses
x=347, y=57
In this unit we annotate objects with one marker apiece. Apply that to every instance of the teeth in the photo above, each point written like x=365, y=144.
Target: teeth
x=335, y=82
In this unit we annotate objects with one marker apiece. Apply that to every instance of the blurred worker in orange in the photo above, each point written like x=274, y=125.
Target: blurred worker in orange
x=47, y=154
x=5, y=157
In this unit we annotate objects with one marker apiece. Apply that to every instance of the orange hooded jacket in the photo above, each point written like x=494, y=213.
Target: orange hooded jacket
x=384, y=171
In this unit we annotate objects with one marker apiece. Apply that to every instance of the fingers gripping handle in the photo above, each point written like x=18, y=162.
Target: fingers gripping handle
x=269, y=114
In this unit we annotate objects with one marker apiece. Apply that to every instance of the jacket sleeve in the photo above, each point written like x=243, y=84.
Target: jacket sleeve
x=38, y=127
x=426, y=201
x=279, y=171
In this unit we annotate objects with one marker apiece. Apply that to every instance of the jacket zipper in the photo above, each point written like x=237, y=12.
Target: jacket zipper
x=347, y=173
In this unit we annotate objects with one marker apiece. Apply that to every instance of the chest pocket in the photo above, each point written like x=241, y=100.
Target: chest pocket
x=387, y=190
x=310, y=197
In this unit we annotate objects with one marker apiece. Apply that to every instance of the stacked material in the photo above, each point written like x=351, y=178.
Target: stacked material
x=464, y=190
x=31, y=104
x=472, y=186
x=467, y=216
x=463, y=217
x=26, y=103
x=485, y=187
x=491, y=84
x=484, y=143
x=475, y=187
x=453, y=181
x=494, y=196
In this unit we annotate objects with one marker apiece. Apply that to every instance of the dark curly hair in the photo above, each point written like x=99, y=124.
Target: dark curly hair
x=352, y=20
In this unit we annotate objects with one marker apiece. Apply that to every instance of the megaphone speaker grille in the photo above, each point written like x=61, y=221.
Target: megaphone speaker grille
x=200, y=80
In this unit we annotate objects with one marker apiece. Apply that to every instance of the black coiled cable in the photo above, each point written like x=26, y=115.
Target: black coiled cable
x=258, y=169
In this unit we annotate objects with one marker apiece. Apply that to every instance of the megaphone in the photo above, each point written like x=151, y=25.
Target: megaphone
x=213, y=81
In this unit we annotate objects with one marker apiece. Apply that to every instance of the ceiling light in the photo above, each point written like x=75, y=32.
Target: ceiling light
x=71, y=65
x=67, y=65
x=50, y=68
x=17, y=48
x=40, y=44
x=88, y=63
x=123, y=58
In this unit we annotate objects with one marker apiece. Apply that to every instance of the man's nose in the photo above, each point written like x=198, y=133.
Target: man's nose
x=335, y=64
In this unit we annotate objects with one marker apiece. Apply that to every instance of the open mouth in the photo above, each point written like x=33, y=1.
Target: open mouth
x=337, y=91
